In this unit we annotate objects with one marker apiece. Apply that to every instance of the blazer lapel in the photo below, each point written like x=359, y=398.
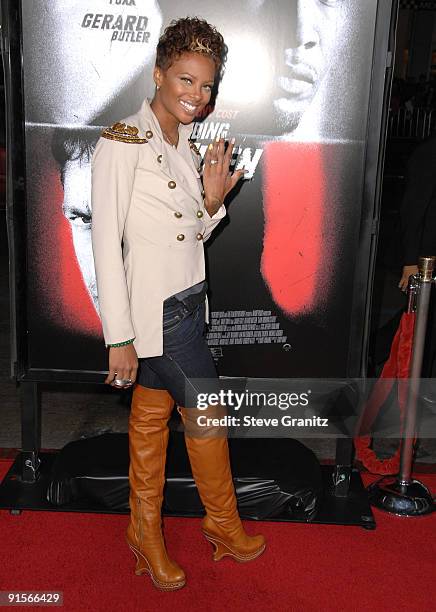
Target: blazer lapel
x=181, y=168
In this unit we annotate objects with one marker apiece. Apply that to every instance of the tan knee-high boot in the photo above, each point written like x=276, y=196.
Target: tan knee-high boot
x=148, y=439
x=209, y=457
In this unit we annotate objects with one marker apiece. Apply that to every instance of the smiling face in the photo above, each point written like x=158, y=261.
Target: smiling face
x=184, y=89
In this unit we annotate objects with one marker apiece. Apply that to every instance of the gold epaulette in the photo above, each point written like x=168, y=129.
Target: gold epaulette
x=123, y=133
x=194, y=147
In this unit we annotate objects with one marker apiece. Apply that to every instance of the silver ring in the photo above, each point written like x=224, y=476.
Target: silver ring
x=213, y=162
x=122, y=382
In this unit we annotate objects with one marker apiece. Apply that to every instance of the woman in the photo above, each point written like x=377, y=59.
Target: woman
x=148, y=196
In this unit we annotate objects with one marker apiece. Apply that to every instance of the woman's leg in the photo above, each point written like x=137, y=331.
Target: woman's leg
x=187, y=356
x=148, y=439
x=209, y=457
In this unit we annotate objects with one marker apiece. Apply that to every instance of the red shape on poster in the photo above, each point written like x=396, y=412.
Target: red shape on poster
x=294, y=244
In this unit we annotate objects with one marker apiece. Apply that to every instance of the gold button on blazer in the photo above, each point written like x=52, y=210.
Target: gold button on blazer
x=138, y=184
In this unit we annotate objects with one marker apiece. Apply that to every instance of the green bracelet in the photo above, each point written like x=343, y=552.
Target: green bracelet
x=122, y=343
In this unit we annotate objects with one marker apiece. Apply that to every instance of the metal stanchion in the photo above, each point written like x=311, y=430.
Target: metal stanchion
x=404, y=495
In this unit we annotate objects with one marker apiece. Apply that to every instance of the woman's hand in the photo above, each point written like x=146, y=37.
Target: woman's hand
x=407, y=271
x=217, y=180
x=123, y=364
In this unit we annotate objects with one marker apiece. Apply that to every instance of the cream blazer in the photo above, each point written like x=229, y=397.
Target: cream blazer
x=148, y=227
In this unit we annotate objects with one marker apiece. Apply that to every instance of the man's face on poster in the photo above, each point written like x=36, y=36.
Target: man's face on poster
x=77, y=209
x=305, y=36
x=73, y=149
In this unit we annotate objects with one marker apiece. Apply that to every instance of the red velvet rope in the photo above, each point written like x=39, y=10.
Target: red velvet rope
x=396, y=367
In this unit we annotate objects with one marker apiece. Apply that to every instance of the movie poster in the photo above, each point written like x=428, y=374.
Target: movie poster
x=295, y=95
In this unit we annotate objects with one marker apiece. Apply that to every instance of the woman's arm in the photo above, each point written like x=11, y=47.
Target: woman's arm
x=113, y=171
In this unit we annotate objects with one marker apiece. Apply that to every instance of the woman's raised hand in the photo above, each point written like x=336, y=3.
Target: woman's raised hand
x=217, y=180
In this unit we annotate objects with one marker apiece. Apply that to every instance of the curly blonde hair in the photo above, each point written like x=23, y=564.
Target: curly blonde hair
x=190, y=34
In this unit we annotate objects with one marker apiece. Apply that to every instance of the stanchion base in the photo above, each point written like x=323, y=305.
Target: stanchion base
x=412, y=499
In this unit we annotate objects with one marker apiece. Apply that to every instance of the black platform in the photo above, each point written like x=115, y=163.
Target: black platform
x=17, y=495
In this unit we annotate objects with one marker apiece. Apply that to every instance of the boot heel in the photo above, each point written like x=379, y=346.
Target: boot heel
x=143, y=567
x=220, y=550
x=140, y=568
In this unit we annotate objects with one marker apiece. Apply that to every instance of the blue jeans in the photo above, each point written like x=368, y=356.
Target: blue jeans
x=186, y=354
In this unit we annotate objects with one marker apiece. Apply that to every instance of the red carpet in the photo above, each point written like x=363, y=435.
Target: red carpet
x=305, y=567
